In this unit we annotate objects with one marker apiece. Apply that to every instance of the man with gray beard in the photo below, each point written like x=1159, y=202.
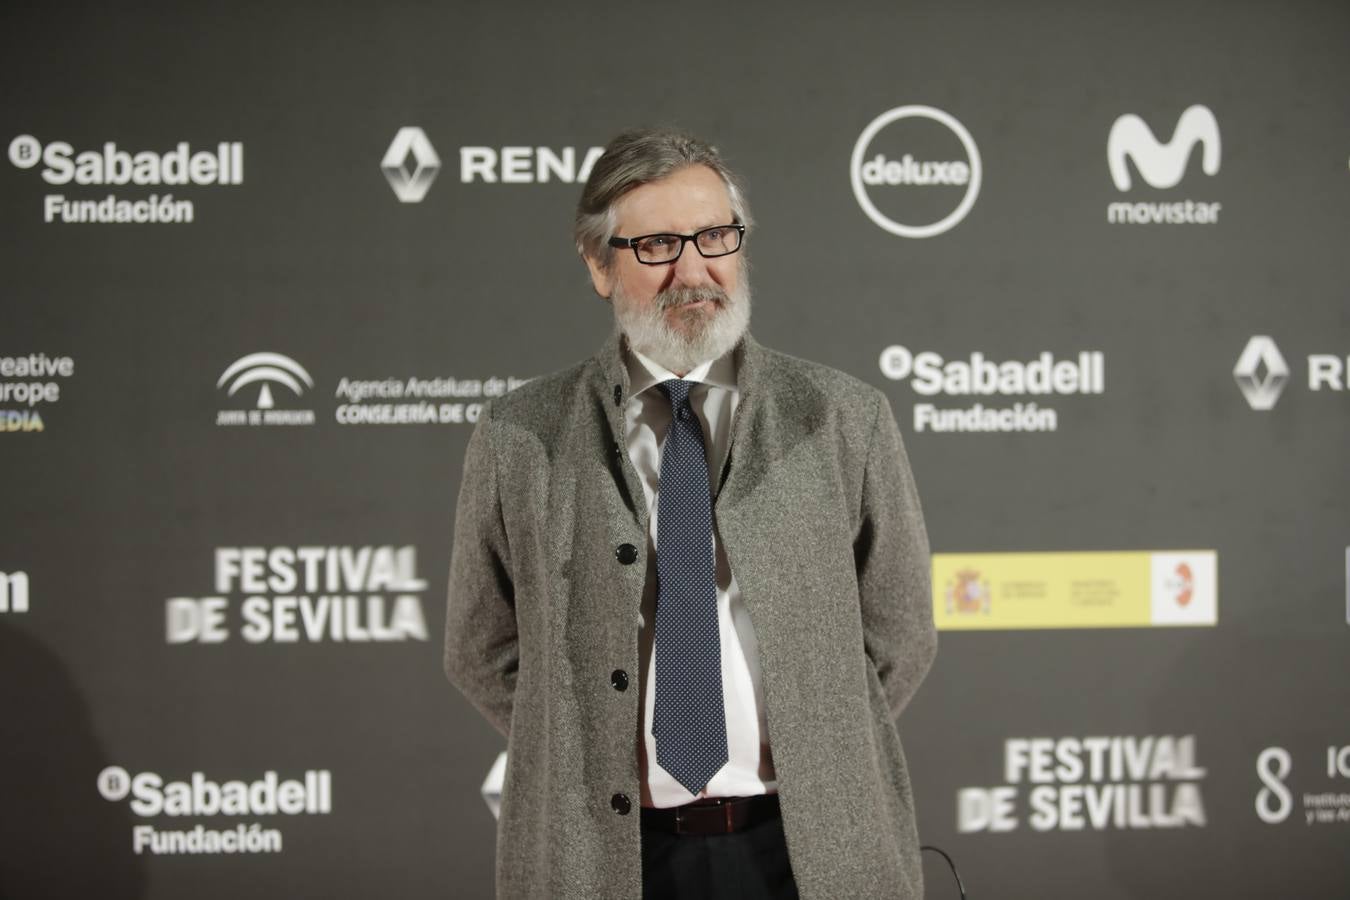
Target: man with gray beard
x=690, y=582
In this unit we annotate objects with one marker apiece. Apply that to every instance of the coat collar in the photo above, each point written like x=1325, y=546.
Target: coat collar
x=644, y=373
x=612, y=386
x=749, y=355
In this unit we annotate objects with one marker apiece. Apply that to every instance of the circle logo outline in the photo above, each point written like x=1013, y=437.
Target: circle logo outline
x=25, y=151
x=114, y=783
x=860, y=191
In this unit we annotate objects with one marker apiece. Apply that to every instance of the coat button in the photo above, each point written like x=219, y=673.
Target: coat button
x=619, y=678
x=626, y=553
x=621, y=804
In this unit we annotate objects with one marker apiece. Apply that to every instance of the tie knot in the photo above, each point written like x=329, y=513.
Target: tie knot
x=677, y=391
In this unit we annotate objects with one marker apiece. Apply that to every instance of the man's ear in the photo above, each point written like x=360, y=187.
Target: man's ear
x=602, y=279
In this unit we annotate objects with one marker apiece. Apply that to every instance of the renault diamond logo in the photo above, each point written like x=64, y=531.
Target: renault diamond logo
x=1261, y=372
x=1162, y=164
x=410, y=142
x=265, y=367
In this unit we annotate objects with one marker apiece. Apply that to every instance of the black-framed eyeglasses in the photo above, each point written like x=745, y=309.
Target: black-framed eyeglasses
x=660, y=249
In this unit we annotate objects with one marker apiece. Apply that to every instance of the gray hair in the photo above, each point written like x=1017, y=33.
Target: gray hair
x=635, y=158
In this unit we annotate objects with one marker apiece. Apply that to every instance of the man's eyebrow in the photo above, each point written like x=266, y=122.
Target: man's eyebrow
x=707, y=223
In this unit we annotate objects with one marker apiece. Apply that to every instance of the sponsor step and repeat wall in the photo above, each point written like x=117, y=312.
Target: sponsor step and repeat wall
x=263, y=268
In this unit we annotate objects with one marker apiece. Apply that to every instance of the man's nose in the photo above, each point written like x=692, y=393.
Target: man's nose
x=691, y=268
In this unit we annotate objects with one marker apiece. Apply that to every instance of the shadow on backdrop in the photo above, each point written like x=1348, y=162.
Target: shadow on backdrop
x=58, y=836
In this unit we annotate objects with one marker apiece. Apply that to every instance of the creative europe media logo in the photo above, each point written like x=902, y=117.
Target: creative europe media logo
x=900, y=180
x=28, y=384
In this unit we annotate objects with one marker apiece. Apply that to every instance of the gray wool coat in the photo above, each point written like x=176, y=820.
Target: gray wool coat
x=818, y=513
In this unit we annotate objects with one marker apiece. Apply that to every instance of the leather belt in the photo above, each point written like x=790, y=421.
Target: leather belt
x=714, y=815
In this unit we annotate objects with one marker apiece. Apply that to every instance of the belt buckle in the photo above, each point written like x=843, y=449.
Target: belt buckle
x=679, y=821
x=723, y=804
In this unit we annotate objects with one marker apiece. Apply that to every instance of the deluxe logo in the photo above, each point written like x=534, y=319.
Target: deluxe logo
x=883, y=185
x=13, y=592
x=312, y=594
x=411, y=163
x=1162, y=166
x=1261, y=372
x=111, y=165
x=265, y=369
x=931, y=374
x=199, y=796
x=1098, y=783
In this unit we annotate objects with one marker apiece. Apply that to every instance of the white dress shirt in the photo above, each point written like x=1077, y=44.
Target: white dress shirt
x=749, y=769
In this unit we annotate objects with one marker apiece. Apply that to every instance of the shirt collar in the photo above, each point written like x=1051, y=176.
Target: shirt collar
x=644, y=372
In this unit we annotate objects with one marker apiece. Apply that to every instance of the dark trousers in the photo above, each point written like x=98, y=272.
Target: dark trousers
x=744, y=865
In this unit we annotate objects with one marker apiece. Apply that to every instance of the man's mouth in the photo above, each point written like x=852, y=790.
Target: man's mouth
x=695, y=302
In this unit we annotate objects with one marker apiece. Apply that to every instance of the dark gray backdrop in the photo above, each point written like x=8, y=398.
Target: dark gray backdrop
x=120, y=501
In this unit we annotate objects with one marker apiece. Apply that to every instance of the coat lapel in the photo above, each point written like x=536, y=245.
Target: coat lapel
x=610, y=387
x=745, y=463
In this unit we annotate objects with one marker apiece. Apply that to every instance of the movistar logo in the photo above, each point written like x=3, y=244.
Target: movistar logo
x=1161, y=164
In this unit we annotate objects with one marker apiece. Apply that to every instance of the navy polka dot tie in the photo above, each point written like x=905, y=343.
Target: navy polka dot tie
x=689, y=720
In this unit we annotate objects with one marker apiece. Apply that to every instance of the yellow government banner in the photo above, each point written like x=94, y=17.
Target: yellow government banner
x=1115, y=589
